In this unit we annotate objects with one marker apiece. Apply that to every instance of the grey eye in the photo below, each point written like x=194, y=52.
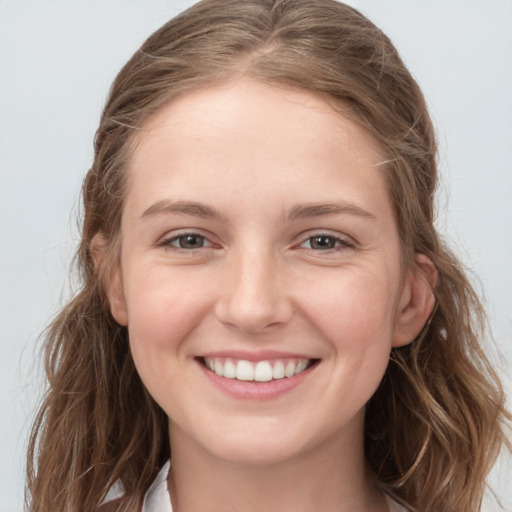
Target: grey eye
x=189, y=241
x=322, y=242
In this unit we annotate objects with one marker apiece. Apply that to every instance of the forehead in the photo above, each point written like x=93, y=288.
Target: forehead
x=252, y=110
x=249, y=133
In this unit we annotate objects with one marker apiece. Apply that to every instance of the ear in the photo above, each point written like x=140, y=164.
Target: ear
x=110, y=274
x=417, y=301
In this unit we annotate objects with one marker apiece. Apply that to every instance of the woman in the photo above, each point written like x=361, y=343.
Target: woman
x=265, y=298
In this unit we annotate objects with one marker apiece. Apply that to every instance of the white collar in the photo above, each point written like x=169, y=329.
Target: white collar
x=157, y=498
x=393, y=505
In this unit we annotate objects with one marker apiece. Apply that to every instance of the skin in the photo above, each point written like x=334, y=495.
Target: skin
x=257, y=280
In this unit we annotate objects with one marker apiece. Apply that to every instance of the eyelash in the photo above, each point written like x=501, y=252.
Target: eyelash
x=334, y=243
x=339, y=243
x=168, y=243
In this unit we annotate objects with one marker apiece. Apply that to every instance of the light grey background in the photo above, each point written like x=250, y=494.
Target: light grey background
x=57, y=60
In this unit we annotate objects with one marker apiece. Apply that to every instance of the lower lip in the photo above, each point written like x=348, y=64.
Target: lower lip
x=252, y=390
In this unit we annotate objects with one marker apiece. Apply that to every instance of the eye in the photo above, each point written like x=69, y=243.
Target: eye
x=325, y=242
x=187, y=241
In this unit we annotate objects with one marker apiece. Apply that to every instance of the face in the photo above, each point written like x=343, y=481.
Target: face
x=260, y=275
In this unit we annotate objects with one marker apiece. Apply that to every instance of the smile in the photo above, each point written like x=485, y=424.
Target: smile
x=258, y=371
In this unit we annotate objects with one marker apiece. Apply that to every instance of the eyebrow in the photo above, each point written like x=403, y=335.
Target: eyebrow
x=298, y=212
x=183, y=208
x=322, y=209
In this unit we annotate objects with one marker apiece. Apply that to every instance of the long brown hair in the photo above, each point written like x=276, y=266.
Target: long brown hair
x=435, y=425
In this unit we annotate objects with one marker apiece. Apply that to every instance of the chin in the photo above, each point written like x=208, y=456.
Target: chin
x=254, y=455
x=252, y=448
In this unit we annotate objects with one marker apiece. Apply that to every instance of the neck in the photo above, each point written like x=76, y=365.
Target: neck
x=331, y=478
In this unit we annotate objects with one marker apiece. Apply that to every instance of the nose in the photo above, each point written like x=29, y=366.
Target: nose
x=252, y=296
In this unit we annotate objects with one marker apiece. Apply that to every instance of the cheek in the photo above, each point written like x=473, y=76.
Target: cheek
x=160, y=317
x=356, y=317
x=356, y=309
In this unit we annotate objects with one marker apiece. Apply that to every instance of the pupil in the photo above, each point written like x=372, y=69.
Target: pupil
x=191, y=241
x=322, y=242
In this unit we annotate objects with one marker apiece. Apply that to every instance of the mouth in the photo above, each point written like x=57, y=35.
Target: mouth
x=257, y=371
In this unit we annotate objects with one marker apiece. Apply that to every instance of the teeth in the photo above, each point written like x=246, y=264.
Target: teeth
x=244, y=371
x=278, y=370
x=261, y=371
x=289, y=371
x=229, y=369
x=218, y=368
x=300, y=367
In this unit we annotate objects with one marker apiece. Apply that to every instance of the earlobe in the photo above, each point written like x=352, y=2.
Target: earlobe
x=417, y=301
x=110, y=274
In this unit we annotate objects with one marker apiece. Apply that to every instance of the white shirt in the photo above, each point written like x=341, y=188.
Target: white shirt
x=158, y=499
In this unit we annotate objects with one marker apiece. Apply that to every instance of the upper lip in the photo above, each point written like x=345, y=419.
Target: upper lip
x=261, y=355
